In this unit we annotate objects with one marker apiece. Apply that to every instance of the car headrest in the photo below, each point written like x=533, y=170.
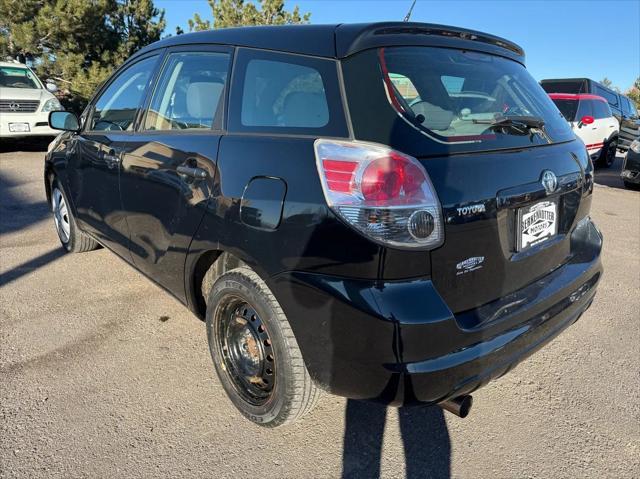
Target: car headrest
x=305, y=109
x=435, y=118
x=203, y=98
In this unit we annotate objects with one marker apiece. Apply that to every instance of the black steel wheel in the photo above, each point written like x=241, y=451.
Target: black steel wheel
x=247, y=350
x=254, y=351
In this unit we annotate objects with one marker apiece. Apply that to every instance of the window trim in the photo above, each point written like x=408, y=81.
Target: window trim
x=337, y=126
x=122, y=69
x=191, y=48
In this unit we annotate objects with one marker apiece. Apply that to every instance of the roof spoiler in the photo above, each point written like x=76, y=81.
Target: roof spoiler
x=352, y=38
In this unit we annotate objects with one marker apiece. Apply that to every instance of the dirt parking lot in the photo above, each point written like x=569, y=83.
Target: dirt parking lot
x=104, y=375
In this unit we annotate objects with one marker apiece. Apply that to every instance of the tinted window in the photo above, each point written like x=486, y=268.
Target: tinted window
x=117, y=106
x=585, y=108
x=564, y=86
x=460, y=93
x=601, y=110
x=611, y=97
x=189, y=93
x=568, y=108
x=626, y=105
x=286, y=93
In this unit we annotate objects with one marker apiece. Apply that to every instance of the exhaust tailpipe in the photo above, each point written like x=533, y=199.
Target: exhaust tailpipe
x=460, y=406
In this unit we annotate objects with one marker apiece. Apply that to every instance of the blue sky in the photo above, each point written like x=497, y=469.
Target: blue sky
x=575, y=38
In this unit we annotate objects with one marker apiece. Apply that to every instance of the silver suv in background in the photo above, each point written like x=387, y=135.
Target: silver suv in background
x=25, y=103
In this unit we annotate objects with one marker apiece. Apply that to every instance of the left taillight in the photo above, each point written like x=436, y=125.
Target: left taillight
x=383, y=193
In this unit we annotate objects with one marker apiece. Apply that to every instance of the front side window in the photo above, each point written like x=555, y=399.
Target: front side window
x=284, y=93
x=117, y=106
x=460, y=94
x=190, y=92
x=16, y=77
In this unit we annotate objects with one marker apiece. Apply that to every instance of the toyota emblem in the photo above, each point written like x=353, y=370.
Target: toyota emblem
x=549, y=181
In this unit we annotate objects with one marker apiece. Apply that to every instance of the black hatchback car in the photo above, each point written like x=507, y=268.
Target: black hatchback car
x=393, y=212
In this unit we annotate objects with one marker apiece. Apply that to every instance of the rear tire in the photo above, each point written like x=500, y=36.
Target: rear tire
x=73, y=240
x=255, y=353
x=608, y=153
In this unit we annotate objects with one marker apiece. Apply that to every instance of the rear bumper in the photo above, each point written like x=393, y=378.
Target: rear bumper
x=398, y=342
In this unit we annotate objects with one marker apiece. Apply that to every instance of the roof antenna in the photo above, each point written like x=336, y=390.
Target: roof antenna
x=408, y=15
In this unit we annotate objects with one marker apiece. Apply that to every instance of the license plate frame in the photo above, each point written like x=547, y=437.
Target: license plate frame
x=19, y=127
x=536, y=224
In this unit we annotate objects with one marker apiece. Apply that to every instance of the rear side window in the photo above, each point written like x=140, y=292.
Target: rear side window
x=190, y=92
x=284, y=93
x=601, y=110
x=117, y=106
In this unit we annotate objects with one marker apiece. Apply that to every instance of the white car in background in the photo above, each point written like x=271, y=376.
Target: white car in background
x=24, y=103
x=593, y=122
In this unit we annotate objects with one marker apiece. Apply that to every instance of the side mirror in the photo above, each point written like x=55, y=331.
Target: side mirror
x=586, y=120
x=64, y=120
x=51, y=86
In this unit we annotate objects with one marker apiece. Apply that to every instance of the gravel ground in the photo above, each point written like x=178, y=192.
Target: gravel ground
x=104, y=375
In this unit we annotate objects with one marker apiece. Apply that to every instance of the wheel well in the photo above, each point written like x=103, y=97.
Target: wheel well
x=209, y=267
x=48, y=176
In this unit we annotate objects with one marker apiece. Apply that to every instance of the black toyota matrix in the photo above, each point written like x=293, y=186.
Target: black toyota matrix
x=393, y=212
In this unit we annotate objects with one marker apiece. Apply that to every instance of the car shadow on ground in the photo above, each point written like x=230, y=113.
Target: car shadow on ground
x=423, y=430
x=17, y=213
x=34, y=144
x=611, y=176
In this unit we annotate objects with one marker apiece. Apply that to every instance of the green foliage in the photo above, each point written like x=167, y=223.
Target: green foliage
x=609, y=84
x=233, y=13
x=634, y=93
x=77, y=42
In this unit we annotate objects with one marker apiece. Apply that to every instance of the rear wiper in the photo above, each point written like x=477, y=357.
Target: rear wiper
x=524, y=122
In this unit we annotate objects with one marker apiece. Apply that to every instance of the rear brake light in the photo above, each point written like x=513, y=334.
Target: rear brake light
x=384, y=194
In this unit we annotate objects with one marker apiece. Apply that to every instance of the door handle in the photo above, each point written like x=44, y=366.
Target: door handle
x=193, y=172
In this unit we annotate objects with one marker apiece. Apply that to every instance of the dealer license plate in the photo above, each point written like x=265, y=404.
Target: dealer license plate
x=18, y=127
x=537, y=223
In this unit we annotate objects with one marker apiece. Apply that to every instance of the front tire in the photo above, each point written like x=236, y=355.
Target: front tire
x=255, y=353
x=73, y=240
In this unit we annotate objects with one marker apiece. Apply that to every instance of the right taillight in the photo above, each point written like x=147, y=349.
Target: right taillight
x=384, y=194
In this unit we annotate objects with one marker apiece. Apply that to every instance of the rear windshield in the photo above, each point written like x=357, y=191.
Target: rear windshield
x=15, y=77
x=568, y=108
x=453, y=96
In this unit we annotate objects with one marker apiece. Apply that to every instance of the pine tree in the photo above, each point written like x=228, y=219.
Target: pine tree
x=233, y=13
x=78, y=43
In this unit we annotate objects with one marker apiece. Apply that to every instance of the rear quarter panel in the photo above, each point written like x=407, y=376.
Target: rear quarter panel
x=308, y=237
